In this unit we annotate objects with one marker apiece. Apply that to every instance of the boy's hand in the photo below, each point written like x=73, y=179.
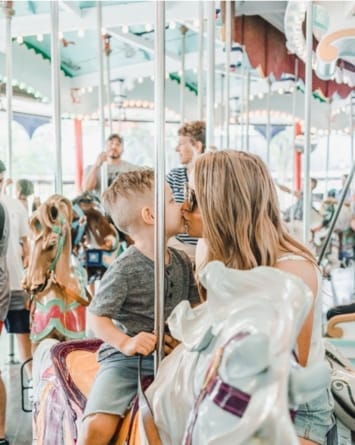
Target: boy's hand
x=142, y=343
x=170, y=343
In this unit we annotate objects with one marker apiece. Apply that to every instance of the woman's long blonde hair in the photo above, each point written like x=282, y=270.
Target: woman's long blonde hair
x=240, y=211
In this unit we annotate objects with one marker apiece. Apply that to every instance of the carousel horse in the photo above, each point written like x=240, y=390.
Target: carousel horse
x=57, y=291
x=231, y=377
x=229, y=382
x=95, y=240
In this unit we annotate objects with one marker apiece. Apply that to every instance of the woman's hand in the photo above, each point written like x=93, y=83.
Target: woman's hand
x=192, y=222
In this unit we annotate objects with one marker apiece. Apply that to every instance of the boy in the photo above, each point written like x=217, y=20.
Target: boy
x=122, y=312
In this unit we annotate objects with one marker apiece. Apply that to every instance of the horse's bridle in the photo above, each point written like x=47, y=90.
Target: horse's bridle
x=59, y=230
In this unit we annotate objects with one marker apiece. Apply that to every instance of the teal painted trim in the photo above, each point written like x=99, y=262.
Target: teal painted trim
x=191, y=86
x=40, y=307
x=45, y=56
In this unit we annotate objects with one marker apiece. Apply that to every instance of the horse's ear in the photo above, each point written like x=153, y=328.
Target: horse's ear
x=35, y=224
x=53, y=213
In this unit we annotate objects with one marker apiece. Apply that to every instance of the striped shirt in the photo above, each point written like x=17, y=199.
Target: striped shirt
x=177, y=178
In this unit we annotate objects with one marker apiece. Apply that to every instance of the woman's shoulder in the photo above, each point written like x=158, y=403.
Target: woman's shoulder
x=302, y=267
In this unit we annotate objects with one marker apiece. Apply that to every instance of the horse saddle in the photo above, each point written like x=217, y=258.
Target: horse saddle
x=342, y=385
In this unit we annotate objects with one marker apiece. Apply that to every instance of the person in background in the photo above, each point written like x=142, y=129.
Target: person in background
x=36, y=203
x=18, y=318
x=4, y=307
x=122, y=312
x=24, y=189
x=297, y=207
x=112, y=156
x=247, y=232
x=191, y=143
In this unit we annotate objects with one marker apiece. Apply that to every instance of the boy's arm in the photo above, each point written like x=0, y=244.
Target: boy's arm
x=104, y=328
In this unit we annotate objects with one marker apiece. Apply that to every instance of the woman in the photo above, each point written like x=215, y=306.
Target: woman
x=240, y=221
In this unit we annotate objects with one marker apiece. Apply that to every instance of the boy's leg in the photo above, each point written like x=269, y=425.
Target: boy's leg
x=98, y=429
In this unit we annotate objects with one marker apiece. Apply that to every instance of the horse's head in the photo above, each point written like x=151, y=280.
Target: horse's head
x=90, y=225
x=50, y=225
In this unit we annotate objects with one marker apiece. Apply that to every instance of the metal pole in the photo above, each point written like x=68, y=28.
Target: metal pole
x=337, y=212
x=307, y=129
x=268, y=123
x=108, y=80
x=227, y=79
x=101, y=91
x=242, y=102
x=221, y=112
x=351, y=129
x=210, y=93
x=183, y=30
x=294, y=103
x=55, y=75
x=247, y=111
x=159, y=100
x=328, y=148
x=200, y=63
x=9, y=12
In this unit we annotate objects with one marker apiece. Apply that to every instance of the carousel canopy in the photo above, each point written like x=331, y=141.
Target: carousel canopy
x=268, y=43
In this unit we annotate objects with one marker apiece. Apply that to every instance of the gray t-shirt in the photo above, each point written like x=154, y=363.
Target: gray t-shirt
x=126, y=292
x=112, y=172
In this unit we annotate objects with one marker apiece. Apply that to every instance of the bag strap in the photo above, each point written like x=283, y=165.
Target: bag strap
x=150, y=428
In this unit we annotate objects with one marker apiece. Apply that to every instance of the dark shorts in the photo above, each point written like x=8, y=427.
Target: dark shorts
x=18, y=322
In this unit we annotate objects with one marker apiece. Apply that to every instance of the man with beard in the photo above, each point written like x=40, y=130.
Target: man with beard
x=115, y=165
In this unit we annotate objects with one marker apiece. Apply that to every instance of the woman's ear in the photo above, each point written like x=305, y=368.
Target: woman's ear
x=199, y=147
x=147, y=215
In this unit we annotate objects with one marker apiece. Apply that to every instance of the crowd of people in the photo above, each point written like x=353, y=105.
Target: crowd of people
x=219, y=205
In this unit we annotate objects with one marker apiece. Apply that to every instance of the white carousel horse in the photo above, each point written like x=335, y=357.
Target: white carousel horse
x=228, y=383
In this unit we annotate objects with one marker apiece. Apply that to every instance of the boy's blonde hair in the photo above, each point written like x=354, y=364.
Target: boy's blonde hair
x=126, y=196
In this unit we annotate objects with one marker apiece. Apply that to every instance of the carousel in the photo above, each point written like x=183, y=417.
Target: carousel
x=272, y=79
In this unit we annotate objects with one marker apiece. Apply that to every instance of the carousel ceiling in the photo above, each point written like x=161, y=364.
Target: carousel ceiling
x=128, y=34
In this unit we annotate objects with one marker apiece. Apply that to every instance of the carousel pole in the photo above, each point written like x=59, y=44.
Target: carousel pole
x=268, y=123
x=228, y=40
x=183, y=31
x=159, y=100
x=351, y=129
x=210, y=93
x=242, y=102
x=221, y=111
x=328, y=148
x=101, y=91
x=55, y=71
x=297, y=155
x=247, y=122
x=200, y=62
x=307, y=129
x=107, y=49
x=9, y=12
